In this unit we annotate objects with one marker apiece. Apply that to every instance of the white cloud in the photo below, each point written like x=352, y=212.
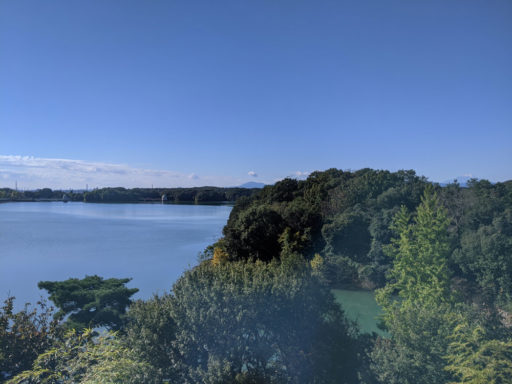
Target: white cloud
x=35, y=172
x=301, y=174
x=252, y=174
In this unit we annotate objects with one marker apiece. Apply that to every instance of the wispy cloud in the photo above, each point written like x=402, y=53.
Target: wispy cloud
x=35, y=172
x=301, y=174
x=252, y=174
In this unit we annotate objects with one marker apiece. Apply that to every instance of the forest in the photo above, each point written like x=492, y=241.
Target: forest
x=258, y=307
x=192, y=195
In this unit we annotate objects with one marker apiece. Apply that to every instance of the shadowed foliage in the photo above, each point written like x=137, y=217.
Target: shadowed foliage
x=90, y=302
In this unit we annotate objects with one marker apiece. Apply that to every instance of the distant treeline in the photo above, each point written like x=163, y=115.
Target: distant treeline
x=136, y=195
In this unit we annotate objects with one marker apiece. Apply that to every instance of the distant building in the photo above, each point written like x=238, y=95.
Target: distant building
x=164, y=197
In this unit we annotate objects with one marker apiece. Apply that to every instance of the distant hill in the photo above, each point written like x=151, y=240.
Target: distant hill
x=252, y=184
x=462, y=180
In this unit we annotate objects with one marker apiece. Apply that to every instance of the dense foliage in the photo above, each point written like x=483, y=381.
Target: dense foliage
x=240, y=322
x=258, y=322
x=346, y=217
x=24, y=335
x=91, y=301
x=258, y=307
x=246, y=322
x=417, y=301
x=81, y=358
x=435, y=336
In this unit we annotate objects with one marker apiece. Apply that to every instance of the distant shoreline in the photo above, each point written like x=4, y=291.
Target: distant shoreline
x=227, y=203
x=195, y=195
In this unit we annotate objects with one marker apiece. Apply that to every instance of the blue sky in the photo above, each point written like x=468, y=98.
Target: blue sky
x=179, y=93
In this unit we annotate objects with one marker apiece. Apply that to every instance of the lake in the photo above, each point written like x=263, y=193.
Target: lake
x=151, y=243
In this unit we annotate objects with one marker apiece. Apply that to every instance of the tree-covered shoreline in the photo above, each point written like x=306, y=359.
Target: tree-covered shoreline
x=346, y=218
x=193, y=195
x=259, y=308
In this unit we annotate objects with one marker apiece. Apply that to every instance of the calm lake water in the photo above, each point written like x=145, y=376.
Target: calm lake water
x=151, y=243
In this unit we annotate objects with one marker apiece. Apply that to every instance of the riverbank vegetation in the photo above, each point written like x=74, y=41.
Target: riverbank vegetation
x=259, y=309
x=194, y=195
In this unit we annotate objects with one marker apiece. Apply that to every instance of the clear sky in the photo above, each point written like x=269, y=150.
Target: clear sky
x=178, y=93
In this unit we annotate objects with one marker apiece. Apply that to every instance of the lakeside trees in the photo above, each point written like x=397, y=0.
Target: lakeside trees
x=91, y=301
x=236, y=322
x=261, y=322
x=193, y=195
x=258, y=308
x=435, y=336
x=449, y=264
x=346, y=218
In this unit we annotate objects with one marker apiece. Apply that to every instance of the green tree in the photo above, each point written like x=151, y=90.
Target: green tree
x=90, y=302
x=256, y=322
x=24, y=335
x=83, y=358
x=151, y=333
x=343, y=215
x=485, y=256
x=255, y=234
x=474, y=358
x=420, y=254
x=417, y=302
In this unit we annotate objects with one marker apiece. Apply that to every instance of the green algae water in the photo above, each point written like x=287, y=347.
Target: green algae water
x=360, y=306
x=151, y=243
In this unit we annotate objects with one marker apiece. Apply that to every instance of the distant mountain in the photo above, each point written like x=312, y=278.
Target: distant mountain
x=462, y=180
x=252, y=184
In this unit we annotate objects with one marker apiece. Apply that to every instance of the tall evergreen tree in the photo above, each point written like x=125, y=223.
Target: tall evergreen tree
x=417, y=304
x=420, y=253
